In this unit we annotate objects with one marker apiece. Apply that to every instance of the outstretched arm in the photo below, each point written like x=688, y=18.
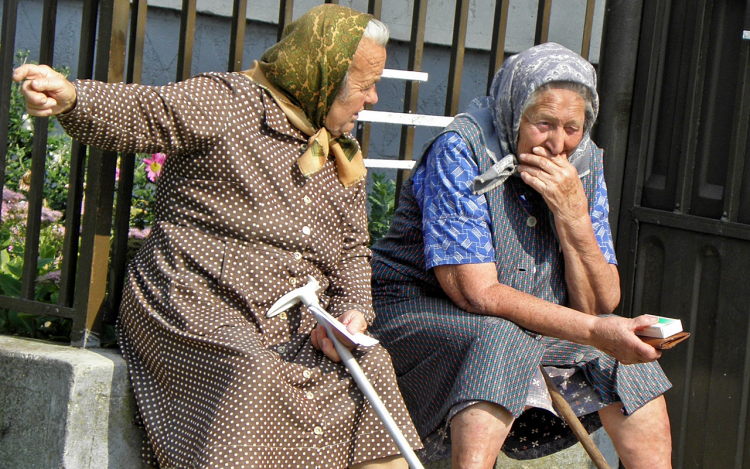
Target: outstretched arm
x=47, y=92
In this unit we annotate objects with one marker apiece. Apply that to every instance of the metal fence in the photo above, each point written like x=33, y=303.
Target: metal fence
x=111, y=49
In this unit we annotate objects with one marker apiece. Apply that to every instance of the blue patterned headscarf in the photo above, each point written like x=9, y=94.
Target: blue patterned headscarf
x=514, y=84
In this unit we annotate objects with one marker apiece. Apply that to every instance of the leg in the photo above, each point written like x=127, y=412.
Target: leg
x=477, y=435
x=642, y=439
x=390, y=462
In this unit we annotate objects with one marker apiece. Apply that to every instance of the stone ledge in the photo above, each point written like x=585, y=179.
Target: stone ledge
x=72, y=408
x=65, y=407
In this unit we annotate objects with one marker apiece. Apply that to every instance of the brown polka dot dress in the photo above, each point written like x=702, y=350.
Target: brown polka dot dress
x=217, y=383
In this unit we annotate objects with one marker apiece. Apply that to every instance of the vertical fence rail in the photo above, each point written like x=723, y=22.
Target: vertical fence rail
x=286, y=8
x=458, y=49
x=237, y=37
x=100, y=185
x=38, y=159
x=118, y=266
x=7, y=49
x=374, y=7
x=588, y=24
x=497, y=48
x=411, y=95
x=543, y=14
x=77, y=163
x=187, y=34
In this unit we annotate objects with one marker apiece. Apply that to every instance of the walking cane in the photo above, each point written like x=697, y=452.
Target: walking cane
x=307, y=295
x=572, y=420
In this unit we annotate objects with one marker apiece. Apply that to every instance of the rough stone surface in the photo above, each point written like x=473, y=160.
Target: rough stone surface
x=65, y=407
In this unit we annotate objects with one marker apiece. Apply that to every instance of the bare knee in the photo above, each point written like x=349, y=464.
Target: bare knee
x=477, y=435
x=642, y=439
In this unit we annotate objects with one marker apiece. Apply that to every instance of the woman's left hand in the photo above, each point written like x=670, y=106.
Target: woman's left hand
x=556, y=179
x=353, y=320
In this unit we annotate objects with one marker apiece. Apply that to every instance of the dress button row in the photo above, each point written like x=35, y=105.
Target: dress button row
x=293, y=280
x=282, y=316
x=307, y=200
x=309, y=395
x=306, y=374
x=281, y=349
x=297, y=256
x=318, y=431
x=531, y=222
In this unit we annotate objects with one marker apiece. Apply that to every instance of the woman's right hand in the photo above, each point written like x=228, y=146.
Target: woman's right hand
x=46, y=91
x=615, y=336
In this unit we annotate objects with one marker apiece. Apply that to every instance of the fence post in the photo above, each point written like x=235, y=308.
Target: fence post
x=91, y=285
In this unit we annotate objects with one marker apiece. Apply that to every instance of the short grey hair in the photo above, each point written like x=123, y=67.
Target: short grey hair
x=375, y=31
x=582, y=90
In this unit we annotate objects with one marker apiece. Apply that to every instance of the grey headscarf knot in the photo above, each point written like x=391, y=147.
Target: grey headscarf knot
x=513, y=86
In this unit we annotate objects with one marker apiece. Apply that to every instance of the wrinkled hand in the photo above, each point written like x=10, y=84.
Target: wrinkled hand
x=46, y=91
x=615, y=336
x=353, y=320
x=556, y=179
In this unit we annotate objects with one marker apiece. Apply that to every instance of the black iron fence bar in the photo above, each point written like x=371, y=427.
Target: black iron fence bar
x=738, y=146
x=134, y=67
x=497, y=48
x=542, y=21
x=7, y=52
x=458, y=49
x=374, y=7
x=73, y=206
x=588, y=24
x=100, y=182
x=118, y=265
x=187, y=35
x=38, y=160
x=237, y=37
x=411, y=94
x=36, y=307
x=286, y=8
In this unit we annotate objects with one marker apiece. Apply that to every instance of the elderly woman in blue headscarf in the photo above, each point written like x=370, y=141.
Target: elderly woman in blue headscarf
x=500, y=259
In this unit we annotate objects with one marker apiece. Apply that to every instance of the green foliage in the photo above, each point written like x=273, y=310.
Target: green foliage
x=381, y=198
x=141, y=208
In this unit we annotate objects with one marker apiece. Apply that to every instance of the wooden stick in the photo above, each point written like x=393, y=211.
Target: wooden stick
x=571, y=419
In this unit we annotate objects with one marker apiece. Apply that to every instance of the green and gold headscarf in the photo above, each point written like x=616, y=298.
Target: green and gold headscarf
x=303, y=72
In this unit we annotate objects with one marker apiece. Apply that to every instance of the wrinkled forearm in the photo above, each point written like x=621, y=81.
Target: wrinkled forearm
x=593, y=284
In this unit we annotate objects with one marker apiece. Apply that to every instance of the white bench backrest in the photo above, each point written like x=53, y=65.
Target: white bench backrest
x=400, y=118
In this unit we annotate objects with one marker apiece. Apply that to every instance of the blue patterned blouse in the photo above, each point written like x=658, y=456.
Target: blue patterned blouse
x=456, y=223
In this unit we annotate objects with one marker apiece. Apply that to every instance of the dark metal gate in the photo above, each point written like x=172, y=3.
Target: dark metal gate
x=684, y=225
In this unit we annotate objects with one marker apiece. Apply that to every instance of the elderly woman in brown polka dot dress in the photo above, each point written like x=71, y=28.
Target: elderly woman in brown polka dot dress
x=262, y=187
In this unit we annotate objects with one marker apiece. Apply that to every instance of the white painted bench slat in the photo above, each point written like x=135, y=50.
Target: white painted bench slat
x=401, y=118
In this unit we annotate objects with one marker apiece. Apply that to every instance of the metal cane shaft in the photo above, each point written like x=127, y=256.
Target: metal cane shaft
x=377, y=405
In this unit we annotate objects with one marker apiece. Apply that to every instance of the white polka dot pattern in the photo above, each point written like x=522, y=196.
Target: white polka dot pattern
x=218, y=385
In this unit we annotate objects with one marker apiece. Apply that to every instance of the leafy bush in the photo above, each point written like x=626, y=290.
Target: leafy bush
x=382, y=201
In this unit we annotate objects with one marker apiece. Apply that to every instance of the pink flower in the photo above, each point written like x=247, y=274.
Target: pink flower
x=154, y=165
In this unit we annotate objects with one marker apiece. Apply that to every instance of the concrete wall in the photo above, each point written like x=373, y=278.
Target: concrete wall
x=64, y=407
